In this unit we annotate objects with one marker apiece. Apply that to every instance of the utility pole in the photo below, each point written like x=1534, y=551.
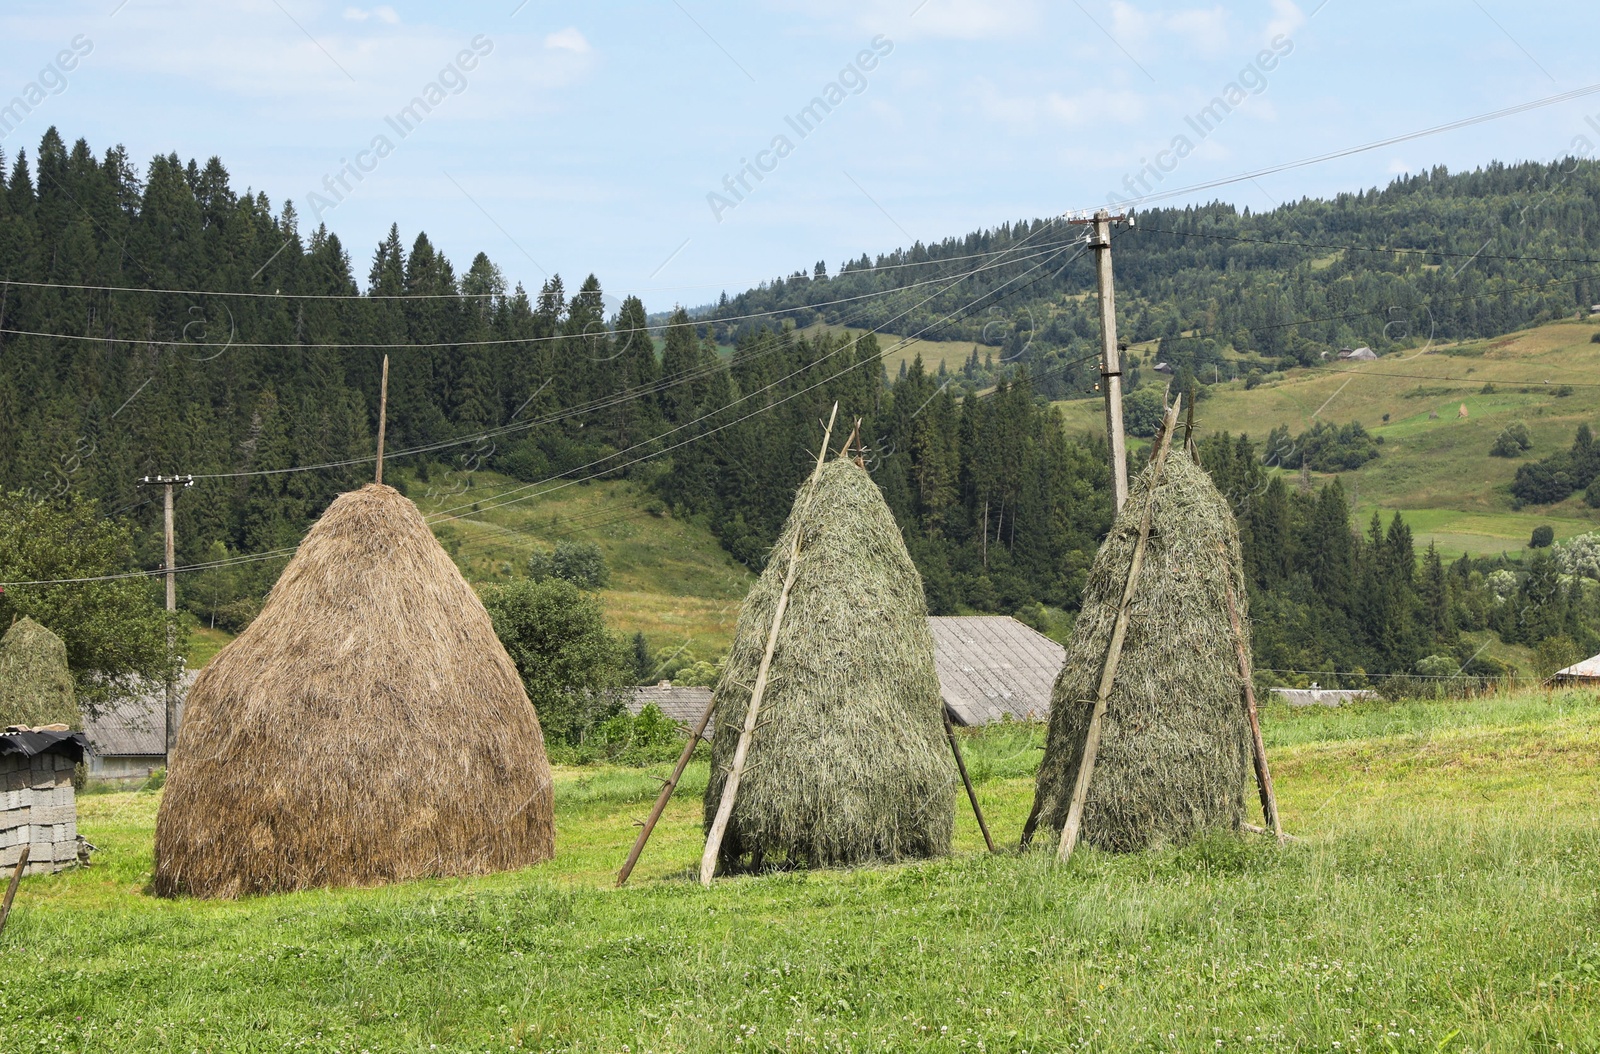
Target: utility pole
x=1110, y=364
x=169, y=482
x=383, y=415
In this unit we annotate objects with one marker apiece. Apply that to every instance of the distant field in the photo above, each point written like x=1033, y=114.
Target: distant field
x=669, y=579
x=1441, y=898
x=952, y=353
x=1442, y=465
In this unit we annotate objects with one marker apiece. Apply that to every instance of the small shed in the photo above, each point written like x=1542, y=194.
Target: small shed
x=1361, y=354
x=1580, y=674
x=992, y=667
x=683, y=703
x=128, y=734
x=37, y=807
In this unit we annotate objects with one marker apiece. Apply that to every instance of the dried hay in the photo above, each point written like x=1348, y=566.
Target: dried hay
x=1174, y=752
x=367, y=727
x=849, y=762
x=35, y=681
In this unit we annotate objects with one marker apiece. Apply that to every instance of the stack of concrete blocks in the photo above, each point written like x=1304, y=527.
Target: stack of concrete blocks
x=37, y=809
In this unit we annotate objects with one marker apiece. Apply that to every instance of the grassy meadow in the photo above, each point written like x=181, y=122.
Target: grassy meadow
x=669, y=579
x=1442, y=897
x=1437, y=472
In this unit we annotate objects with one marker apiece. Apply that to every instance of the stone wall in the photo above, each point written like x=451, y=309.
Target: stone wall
x=37, y=809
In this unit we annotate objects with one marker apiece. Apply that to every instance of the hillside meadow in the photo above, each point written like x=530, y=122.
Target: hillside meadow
x=1437, y=471
x=1442, y=896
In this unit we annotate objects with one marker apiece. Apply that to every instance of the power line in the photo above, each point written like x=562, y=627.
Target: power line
x=439, y=516
x=1466, y=122
x=496, y=342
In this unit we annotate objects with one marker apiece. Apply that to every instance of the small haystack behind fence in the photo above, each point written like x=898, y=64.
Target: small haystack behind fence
x=368, y=727
x=1174, y=748
x=848, y=762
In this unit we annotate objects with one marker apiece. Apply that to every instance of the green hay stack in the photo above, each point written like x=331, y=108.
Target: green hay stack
x=35, y=681
x=1174, y=751
x=849, y=763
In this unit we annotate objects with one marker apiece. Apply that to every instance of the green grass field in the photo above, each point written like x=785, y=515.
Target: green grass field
x=896, y=350
x=1442, y=898
x=1437, y=471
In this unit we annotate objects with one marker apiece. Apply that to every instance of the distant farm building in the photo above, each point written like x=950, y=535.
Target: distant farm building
x=681, y=703
x=1361, y=354
x=992, y=667
x=1162, y=367
x=128, y=736
x=1582, y=674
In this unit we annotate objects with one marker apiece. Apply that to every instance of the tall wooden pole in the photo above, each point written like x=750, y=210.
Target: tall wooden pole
x=172, y=627
x=1111, y=362
x=171, y=564
x=383, y=414
x=719, y=825
x=1119, y=630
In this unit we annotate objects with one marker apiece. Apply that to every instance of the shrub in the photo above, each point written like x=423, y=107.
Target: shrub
x=1594, y=338
x=1253, y=378
x=1591, y=495
x=1143, y=411
x=1512, y=441
x=1542, y=536
x=580, y=563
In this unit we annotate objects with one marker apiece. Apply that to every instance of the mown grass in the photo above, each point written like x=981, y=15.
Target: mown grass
x=1441, y=464
x=1444, y=895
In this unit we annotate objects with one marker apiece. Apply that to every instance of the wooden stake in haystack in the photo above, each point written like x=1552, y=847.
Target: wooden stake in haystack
x=730, y=790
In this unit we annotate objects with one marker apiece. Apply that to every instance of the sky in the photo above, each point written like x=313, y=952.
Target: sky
x=674, y=148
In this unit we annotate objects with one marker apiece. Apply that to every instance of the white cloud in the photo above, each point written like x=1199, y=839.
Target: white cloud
x=1286, y=18
x=1195, y=29
x=383, y=13
x=1205, y=30
x=1096, y=105
x=568, y=39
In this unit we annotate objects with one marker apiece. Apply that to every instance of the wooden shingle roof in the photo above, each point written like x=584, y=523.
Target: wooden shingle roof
x=991, y=666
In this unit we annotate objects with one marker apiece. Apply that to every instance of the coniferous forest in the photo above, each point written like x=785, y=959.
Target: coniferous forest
x=158, y=320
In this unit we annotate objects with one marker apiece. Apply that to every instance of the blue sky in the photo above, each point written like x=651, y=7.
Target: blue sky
x=590, y=138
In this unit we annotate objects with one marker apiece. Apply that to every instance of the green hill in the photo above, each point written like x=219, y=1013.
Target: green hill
x=1436, y=470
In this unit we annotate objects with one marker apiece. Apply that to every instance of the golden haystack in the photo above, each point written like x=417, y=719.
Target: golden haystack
x=368, y=727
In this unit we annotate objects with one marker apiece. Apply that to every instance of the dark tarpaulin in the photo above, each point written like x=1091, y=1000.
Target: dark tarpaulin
x=31, y=744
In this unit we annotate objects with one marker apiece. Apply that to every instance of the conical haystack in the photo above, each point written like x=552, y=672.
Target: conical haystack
x=849, y=762
x=35, y=681
x=1174, y=751
x=368, y=727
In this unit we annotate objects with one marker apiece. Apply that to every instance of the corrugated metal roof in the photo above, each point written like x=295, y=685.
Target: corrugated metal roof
x=1588, y=669
x=679, y=703
x=135, y=725
x=992, y=665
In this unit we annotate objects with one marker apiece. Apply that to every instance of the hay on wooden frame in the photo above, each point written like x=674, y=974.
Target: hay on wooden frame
x=368, y=727
x=35, y=682
x=1174, y=752
x=849, y=763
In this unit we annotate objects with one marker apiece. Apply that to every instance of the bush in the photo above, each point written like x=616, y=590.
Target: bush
x=1252, y=379
x=1591, y=495
x=1594, y=338
x=580, y=563
x=1512, y=441
x=1143, y=411
x=573, y=667
x=1543, y=535
x=1544, y=481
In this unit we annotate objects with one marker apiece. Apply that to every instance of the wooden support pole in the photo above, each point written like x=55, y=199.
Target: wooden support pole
x=961, y=766
x=666, y=792
x=719, y=825
x=1119, y=630
x=383, y=414
x=11, y=890
x=1258, y=749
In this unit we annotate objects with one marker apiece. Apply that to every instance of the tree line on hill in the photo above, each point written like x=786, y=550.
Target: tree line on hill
x=102, y=383
x=1209, y=283
x=1354, y=605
